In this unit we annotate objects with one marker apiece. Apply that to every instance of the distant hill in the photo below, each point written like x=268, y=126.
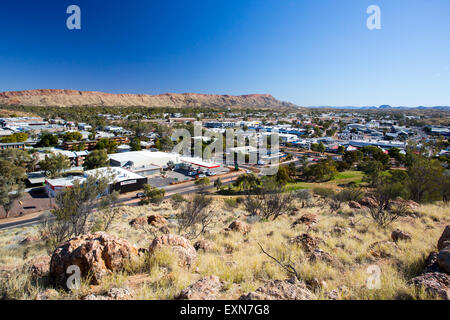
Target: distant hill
x=66, y=98
x=383, y=107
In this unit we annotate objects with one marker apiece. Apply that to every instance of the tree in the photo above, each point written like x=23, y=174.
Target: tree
x=303, y=195
x=319, y=172
x=372, y=170
x=72, y=136
x=96, y=159
x=54, y=164
x=106, y=144
x=15, y=137
x=247, y=182
x=270, y=200
x=283, y=175
x=135, y=145
x=218, y=183
x=196, y=217
x=77, y=203
x=11, y=185
x=352, y=157
x=202, y=183
x=108, y=211
x=17, y=157
x=425, y=179
x=48, y=140
x=152, y=195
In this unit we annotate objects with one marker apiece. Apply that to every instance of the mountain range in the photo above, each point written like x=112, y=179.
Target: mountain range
x=67, y=98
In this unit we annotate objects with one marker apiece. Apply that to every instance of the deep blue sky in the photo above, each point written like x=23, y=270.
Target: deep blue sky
x=311, y=52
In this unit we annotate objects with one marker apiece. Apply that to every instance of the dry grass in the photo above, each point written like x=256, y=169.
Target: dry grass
x=238, y=261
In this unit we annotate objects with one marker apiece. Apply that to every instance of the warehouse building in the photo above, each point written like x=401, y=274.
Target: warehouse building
x=123, y=181
x=143, y=162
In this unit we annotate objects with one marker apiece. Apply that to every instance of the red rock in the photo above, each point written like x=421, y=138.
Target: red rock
x=97, y=255
x=186, y=252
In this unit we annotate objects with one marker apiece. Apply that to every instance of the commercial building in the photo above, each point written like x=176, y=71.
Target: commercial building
x=143, y=162
x=122, y=181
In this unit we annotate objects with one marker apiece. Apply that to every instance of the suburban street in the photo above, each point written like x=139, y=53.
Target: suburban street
x=128, y=199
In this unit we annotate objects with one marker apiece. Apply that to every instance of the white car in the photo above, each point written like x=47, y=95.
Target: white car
x=202, y=175
x=209, y=173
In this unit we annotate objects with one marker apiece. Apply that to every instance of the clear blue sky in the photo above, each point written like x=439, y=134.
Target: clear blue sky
x=311, y=52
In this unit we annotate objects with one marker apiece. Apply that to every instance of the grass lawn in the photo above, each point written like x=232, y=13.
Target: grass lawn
x=341, y=178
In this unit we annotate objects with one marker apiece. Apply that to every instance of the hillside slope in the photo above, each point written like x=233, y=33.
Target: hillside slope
x=66, y=98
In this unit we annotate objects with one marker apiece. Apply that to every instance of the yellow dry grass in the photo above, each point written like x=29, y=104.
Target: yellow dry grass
x=238, y=260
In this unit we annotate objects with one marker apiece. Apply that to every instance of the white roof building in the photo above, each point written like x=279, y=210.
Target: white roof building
x=140, y=159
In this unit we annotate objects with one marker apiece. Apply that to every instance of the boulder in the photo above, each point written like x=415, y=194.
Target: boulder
x=308, y=219
x=443, y=259
x=369, y=202
x=431, y=263
x=206, y=288
x=290, y=289
x=354, y=205
x=48, y=294
x=239, y=226
x=398, y=234
x=138, y=222
x=38, y=266
x=119, y=294
x=320, y=255
x=186, y=252
x=408, y=204
x=434, y=283
x=444, y=240
x=96, y=255
x=308, y=242
x=157, y=220
x=204, y=245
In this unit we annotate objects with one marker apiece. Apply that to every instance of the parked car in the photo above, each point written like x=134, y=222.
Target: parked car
x=192, y=173
x=202, y=175
x=210, y=173
x=140, y=195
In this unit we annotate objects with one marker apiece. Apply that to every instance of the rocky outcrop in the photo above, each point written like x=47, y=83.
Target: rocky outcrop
x=398, y=234
x=239, y=226
x=434, y=283
x=157, y=221
x=207, y=288
x=112, y=294
x=185, y=251
x=204, y=245
x=431, y=263
x=308, y=242
x=290, y=289
x=138, y=222
x=354, y=205
x=369, y=202
x=435, y=278
x=38, y=267
x=308, y=219
x=97, y=255
x=444, y=240
x=443, y=259
x=67, y=98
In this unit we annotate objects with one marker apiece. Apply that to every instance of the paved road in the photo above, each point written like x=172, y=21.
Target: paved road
x=129, y=199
